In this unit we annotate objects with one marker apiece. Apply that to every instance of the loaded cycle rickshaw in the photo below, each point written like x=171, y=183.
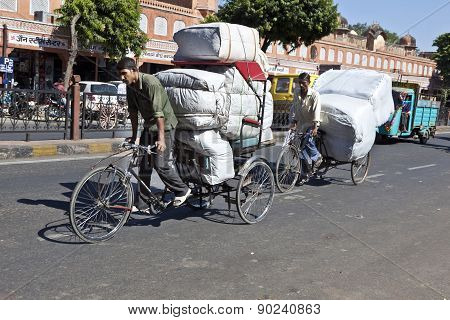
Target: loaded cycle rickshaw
x=292, y=163
x=102, y=201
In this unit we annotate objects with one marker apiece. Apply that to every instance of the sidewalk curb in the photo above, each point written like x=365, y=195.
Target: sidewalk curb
x=35, y=149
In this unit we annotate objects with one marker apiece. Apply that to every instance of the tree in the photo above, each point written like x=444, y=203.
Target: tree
x=114, y=24
x=291, y=22
x=361, y=28
x=442, y=57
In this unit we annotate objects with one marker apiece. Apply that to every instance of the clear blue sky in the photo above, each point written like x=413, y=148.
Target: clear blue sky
x=399, y=16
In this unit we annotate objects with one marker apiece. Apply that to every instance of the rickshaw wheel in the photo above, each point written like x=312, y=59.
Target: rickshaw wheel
x=360, y=168
x=288, y=168
x=255, y=192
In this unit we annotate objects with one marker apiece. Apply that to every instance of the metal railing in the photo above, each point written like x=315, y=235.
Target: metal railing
x=34, y=111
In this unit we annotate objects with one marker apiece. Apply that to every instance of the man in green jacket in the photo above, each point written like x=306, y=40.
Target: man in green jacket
x=146, y=95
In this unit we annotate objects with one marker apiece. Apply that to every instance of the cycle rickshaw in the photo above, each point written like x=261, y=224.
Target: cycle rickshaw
x=291, y=163
x=102, y=201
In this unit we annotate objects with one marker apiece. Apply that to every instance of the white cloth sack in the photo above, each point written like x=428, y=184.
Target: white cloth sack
x=219, y=165
x=218, y=42
x=349, y=126
x=235, y=82
x=192, y=79
x=368, y=85
x=245, y=106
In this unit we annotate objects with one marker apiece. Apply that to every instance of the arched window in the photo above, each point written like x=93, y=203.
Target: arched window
x=420, y=69
x=404, y=66
x=178, y=25
x=8, y=5
x=357, y=59
x=313, y=52
x=364, y=61
x=331, y=55
x=323, y=54
x=303, y=51
x=269, y=48
x=392, y=65
x=340, y=56
x=143, y=23
x=161, y=26
x=39, y=5
x=409, y=67
x=372, y=62
x=398, y=66
x=379, y=63
x=349, y=58
x=385, y=64
x=425, y=70
x=430, y=71
x=415, y=68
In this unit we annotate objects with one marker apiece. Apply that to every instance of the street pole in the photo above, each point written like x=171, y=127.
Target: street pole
x=75, y=121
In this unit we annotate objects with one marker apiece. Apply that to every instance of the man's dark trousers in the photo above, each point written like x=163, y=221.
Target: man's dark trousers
x=163, y=164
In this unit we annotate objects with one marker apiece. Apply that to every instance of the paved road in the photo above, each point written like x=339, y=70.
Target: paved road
x=385, y=239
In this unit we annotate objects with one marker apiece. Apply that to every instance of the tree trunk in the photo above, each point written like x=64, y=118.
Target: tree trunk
x=73, y=50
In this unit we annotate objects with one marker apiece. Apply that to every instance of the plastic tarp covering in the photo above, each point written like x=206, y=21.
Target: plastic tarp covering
x=349, y=126
x=220, y=166
x=218, y=42
x=367, y=85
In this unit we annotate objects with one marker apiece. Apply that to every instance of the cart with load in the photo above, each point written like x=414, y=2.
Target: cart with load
x=225, y=111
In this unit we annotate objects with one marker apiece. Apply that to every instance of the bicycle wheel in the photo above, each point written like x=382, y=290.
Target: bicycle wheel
x=288, y=168
x=101, y=204
x=255, y=192
x=360, y=168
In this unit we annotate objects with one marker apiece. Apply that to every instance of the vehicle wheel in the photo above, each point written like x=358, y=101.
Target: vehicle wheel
x=360, y=168
x=288, y=168
x=107, y=117
x=423, y=138
x=255, y=192
x=101, y=204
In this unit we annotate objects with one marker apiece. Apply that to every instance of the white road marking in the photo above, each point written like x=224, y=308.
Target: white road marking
x=421, y=167
x=375, y=176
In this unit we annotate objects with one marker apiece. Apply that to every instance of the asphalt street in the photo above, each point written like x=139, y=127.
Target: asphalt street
x=384, y=239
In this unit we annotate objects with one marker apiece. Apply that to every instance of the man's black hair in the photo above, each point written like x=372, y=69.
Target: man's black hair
x=304, y=77
x=126, y=63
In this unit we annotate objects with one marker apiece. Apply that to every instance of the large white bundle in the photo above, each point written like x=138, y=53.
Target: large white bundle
x=217, y=41
x=192, y=79
x=195, y=96
x=235, y=82
x=218, y=166
x=368, y=85
x=349, y=126
x=245, y=106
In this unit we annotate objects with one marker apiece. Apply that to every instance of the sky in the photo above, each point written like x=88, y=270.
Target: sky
x=401, y=16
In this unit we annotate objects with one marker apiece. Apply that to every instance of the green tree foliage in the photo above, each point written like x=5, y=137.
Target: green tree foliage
x=291, y=22
x=361, y=28
x=442, y=57
x=114, y=24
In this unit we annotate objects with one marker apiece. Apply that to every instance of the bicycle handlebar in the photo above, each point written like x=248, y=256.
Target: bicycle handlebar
x=133, y=146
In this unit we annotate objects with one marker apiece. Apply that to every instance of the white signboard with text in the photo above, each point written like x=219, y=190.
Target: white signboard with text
x=37, y=41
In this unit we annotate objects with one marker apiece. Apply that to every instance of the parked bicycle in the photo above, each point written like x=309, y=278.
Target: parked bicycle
x=292, y=163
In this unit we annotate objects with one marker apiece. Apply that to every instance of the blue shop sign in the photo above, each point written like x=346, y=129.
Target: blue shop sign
x=6, y=65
